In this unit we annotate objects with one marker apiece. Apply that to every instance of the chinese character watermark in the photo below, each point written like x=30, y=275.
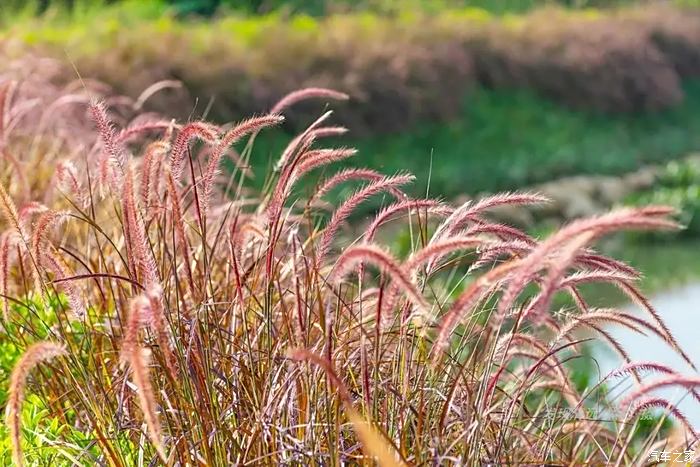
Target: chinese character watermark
x=658, y=455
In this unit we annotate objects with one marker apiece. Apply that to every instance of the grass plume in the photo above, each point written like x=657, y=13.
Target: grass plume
x=32, y=356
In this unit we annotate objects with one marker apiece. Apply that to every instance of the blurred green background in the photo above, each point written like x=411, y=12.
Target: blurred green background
x=317, y=7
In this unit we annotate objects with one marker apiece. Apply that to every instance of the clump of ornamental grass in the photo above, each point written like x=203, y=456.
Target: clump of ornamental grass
x=198, y=322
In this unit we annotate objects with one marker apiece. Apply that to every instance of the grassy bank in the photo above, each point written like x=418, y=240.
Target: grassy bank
x=506, y=139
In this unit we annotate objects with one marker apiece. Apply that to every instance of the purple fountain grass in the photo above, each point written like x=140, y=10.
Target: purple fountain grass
x=595, y=276
x=138, y=359
x=470, y=211
x=636, y=367
x=491, y=252
x=372, y=441
x=137, y=131
x=5, y=99
x=143, y=262
x=179, y=222
x=638, y=298
x=33, y=355
x=193, y=130
x=605, y=315
x=447, y=346
x=52, y=260
x=347, y=175
x=159, y=322
x=112, y=157
x=46, y=222
x=591, y=259
x=298, y=146
x=469, y=298
x=249, y=125
x=67, y=180
x=153, y=89
x=540, y=304
x=327, y=132
x=8, y=241
x=658, y=402
x=319, y=157
x=534, y=351
x=9, y=211
x=502, y=231
x=641, y=218
x=351, y=203
x=150, y=175
x=383, y=260
x=138, y=362
x=305, y=94
x=435, y=251
x=29, y=210
x=690, y=383
x=243, y=128
x=427, y=205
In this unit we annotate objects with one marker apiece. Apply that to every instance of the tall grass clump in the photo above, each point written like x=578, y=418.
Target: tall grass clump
x=194, y=321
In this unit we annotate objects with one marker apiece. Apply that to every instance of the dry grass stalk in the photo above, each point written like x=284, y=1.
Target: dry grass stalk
x=32, y=356
x=138, y=359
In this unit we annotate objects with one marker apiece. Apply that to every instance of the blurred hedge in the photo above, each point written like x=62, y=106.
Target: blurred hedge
x=399, y=70
x=607, y=63
x=208, y=8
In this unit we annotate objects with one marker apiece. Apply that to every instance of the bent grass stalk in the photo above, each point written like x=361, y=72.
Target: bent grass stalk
x=32, y=356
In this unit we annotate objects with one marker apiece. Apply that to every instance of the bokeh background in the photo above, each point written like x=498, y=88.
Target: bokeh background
x=594, y=103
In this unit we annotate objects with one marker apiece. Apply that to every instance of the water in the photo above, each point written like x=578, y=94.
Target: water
x=680, y=309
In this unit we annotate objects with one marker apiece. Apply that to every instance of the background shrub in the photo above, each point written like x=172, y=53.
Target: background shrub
x=676, y=33
x=594, y=62
x=399, y=70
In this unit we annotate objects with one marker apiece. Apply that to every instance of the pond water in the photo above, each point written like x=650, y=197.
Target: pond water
x=680, y=309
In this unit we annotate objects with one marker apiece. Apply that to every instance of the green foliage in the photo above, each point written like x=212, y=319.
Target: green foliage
x=679, y=186
x=312, y=7
x=48, y=440
x=652, y=422
x=79, y=11
x=33, y=324
x=505, y=139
